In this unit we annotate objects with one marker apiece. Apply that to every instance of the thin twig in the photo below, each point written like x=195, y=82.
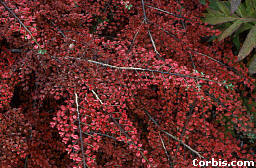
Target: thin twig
x=121, y=129
x=80, y=131
x=166, y=152
x=59, y=30
x=172, y=136
x=149, y=33
x=164, y=11
x=101, y=134
x=208, y=57
x=21, y=23
x=191, y=58
x=144, y=11
x=191, y=149
x=26, y=160
x=135, y=36
x=97, y=97
x=149, y=70
x=191, y=108
x=101, y=102
x=153, y=42
x=167, y=32
x=215, y=99
x=196, y=52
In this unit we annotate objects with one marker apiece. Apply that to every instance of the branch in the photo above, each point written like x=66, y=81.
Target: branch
x=135, y=68
x=101, y=102
x=164, y=11
x=205, y=55
x=80, y=131
x=133, y=40
x=153, y=42
x=59, y=30
x=172, y=136
x=26, y=160
x=149, y=70
x=191, y=108
x=219, y=62
x=149, y=33
x=167, y=32
x=191, y=149
x=101, y=134
x=121, y=129
x=97, y=97
x=217, y=100
x=166, y=152
x=21, y=23
x=144, y=11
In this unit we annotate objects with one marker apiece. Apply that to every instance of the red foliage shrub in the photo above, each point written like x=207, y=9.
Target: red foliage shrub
x=118, y=83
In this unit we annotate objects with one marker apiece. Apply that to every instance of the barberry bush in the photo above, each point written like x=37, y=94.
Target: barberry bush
x=119, y=84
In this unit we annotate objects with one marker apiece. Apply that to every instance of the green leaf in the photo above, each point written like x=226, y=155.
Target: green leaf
x=236, y=42
x=241, y=11
x=213, y=4
x=249, y=44
x=252, y=65
x=231, y=29
x=203, y=2
x=129, y=7
x=212, y=38
x=250, y=9
x=249, y=3
x=223, y=6
x=245, y=27
x=76, y=4
x=254, y=5
x=214, y=12
x=42, y=51
x=218, y=20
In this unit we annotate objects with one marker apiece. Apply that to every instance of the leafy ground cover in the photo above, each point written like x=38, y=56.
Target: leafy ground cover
x=119, y=84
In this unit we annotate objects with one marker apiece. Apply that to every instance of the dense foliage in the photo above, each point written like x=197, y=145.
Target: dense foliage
x=119, y=84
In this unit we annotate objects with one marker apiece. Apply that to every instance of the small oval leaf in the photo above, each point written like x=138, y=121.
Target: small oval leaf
x=41, y=51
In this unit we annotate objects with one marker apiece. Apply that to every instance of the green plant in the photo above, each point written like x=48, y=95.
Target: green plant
x=235, y=18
